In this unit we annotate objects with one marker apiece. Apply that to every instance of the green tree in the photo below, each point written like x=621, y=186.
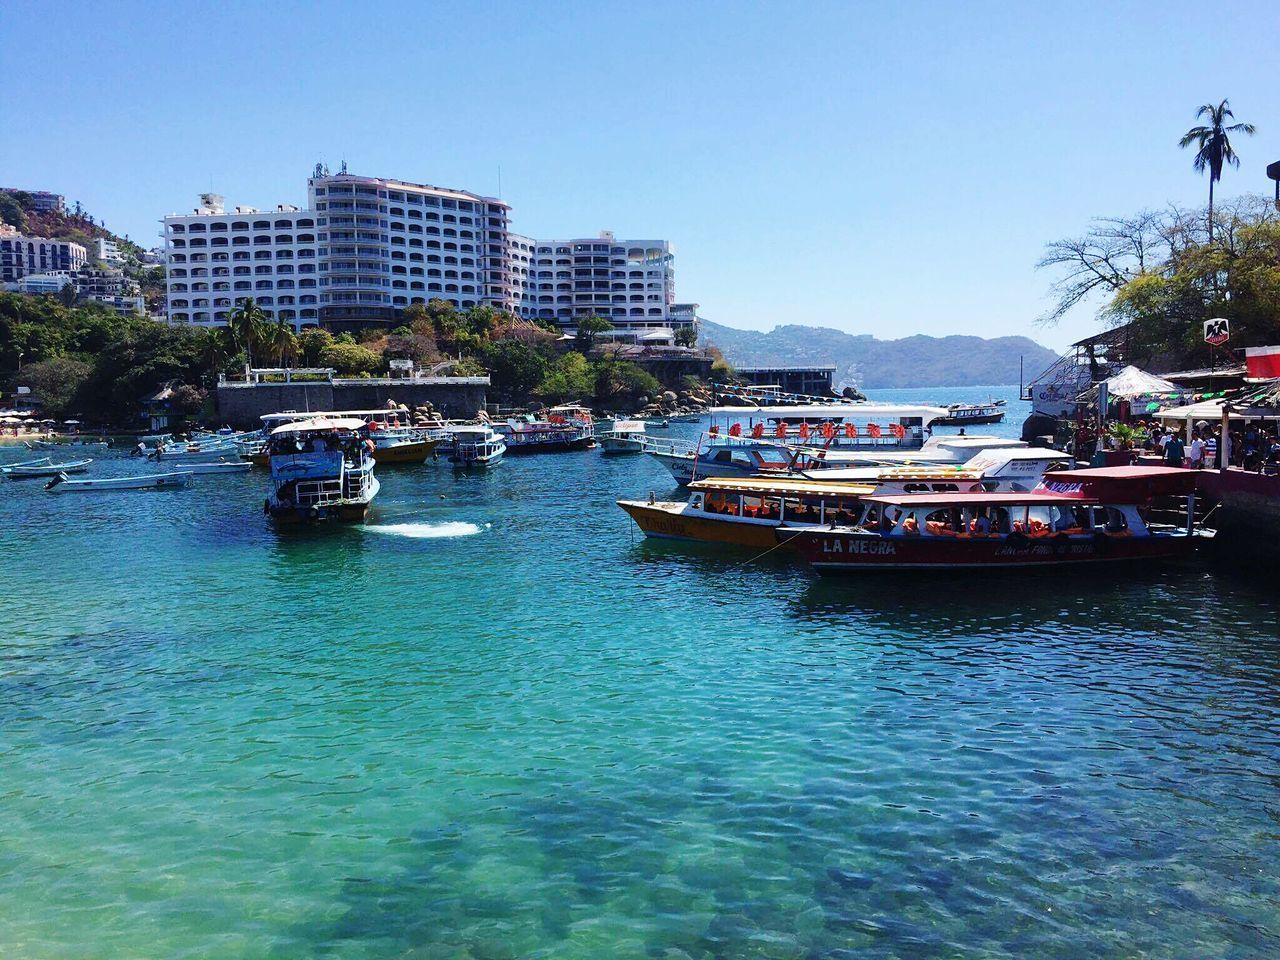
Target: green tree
x=279, y=343
x=687, y=336
x=614, y=379
x=1213, y=145
x=589, y=327
x=57, y=382
x=312, y=344
x=248, y=325
x=515, y=367
x=567, y=378
x=350, y=358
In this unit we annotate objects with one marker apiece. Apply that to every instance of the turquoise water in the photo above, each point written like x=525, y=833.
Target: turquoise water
x=496, y=723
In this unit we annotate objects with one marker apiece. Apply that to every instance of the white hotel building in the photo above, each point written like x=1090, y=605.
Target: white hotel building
x=366, y=248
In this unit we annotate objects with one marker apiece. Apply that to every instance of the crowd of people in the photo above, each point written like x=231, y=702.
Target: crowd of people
x=1253, y=446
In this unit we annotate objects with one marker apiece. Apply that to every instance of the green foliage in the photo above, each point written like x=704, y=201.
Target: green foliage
x=247, y=327
x=57, y=382
x=467, y=367
x=311, y=346
x=11, y=209
x=589, y=327
x=350, y=358
x=515, y=367
x=1235, y=275
x=569, y=377
x=686, y=337
x=615, y=379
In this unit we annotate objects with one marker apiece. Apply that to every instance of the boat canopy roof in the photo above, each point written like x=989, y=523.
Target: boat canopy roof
x=781, y=486
x=294, y=415
x=320, y=425
x=978, y=499
x=1113, y=482
x=835, y=411
x=923, y=472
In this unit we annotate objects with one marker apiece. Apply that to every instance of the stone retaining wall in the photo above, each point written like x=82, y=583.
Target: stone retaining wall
x=241, y=404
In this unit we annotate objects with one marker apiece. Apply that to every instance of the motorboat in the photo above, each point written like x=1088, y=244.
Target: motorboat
x=476, y=445
x=844, y=434
x=965, y=414
x=1072, y=517
x=158, y=481
x=395, y=440
x=321, y=469
x=222, y=466
x=734, y=456
x=1009, y=469
x=529, y=434
x=46, y=469
x=623, y=436
x=744, y=510
x=213, y=448
x=39, y=461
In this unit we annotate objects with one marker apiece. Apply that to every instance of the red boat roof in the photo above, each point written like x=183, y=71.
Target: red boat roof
x=1119, y=483
x=979, y=499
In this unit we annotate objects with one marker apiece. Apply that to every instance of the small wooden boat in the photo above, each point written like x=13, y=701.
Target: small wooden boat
x=47, y=469
x=25, y=463
x=159, y=481
x=240, y=466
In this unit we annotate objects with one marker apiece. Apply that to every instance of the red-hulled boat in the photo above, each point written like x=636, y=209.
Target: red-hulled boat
x=1074, y=516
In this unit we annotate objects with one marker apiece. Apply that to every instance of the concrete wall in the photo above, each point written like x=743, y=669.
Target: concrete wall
x=1247, y=518
x=241, y=405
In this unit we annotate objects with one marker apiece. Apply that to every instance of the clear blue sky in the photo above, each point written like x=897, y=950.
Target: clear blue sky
x=883, y=168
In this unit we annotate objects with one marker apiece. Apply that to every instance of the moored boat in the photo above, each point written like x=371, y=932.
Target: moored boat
x=966, y=414
x=222, y=466
x=476, y=445
x=1074, y=517
x=623, y=436
x=321, y=469
x=158, y=481
x=34, y=470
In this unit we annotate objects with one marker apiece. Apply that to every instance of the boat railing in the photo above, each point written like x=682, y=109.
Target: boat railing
x=311, y=493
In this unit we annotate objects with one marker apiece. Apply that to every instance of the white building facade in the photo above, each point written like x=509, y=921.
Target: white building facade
x=366, y=248
x=22, y=255
x=630, y=283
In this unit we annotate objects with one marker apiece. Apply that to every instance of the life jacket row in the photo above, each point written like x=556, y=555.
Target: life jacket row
x=828, y=430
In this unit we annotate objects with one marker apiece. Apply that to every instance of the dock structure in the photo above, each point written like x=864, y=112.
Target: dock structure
x=242, y=402
x=815, y=381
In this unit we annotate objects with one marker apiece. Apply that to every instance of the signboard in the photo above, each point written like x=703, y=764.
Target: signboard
x=400, y=364
x=1217, y=331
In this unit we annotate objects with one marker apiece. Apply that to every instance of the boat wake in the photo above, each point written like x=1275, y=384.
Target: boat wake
x=427, y=531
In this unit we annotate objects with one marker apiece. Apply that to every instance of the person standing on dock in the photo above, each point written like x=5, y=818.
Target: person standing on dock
x=1175, y=451
x=1196, y=452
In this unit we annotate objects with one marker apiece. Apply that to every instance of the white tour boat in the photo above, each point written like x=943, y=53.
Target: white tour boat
x=476, y=445
x=623, y=436
x=321, y=469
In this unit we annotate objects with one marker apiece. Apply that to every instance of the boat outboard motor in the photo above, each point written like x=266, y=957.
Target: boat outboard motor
x=55, y=481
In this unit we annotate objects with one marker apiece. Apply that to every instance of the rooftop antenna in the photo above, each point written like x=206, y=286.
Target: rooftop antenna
x=343, y=168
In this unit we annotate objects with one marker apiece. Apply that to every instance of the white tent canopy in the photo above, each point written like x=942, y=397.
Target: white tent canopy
x=1210, y=410
x=1132, y=382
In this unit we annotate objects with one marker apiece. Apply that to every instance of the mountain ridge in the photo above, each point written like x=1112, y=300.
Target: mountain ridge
x=869, y=363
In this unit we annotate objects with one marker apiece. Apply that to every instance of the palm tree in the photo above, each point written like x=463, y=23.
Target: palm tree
x=1214, y=145
x=279, y=342
x=248, y=326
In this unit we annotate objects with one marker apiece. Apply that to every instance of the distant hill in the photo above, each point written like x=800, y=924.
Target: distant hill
x=873, y=364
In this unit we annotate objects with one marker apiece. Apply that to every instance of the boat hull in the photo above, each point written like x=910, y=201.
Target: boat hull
x=667, y=521
x=842, y=551
x=517, y=446
x=326, y=513
x=170, y=481
x=416, y=451
x=966, y=421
